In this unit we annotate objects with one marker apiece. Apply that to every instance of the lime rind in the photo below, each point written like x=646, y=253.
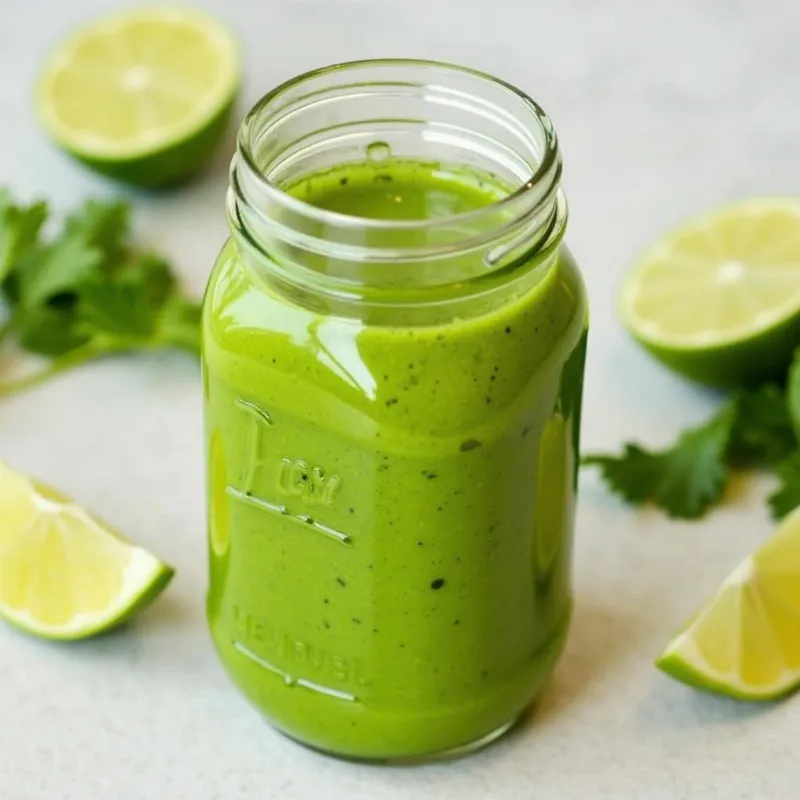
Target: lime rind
x=165, y=168
x=698, y=675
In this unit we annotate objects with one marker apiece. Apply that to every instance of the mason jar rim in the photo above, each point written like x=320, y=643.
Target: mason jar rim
x=548, y=163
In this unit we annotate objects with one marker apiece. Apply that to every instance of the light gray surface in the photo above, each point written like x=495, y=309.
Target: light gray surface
x=661, y=113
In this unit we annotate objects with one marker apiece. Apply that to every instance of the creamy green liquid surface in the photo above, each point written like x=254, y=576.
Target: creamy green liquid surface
x=391, y=506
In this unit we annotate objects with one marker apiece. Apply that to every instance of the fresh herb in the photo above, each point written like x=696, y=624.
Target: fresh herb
x=787, y=496
x=793, y=394
x=755, y=429
x=684, y=479
x=86, y=291
x=763, y=433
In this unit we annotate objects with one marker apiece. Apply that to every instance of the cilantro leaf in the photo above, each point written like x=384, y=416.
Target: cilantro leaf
x=763, y=433
x=19, y=230
x=117, y=309
x=50, y=331
x=153, y=273
x=57, y=268
x=87, y=292
x=92, y=238
x=787, y=497
x=684, y=480
x=104, y=226
x=793, y=393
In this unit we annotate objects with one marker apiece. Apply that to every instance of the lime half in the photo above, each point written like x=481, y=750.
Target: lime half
x=745, y=643
x=63, y=573
x=718, y=300
x=144, y=96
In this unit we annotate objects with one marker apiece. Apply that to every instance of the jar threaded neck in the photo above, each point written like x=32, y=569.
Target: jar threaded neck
x=419, y=111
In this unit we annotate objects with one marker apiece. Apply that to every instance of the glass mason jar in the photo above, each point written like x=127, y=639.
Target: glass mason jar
x=394, y=343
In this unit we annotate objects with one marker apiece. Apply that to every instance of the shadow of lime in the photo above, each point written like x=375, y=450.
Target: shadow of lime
x=167, y=614
x=671, y=707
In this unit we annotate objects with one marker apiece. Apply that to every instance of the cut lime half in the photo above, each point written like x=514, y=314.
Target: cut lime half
x=745, y=642
x=143, y=96
x=63, y=573
x=718, y=299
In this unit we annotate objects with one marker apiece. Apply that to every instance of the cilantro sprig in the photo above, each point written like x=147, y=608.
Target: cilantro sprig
x=85, y=292
x=753, y=429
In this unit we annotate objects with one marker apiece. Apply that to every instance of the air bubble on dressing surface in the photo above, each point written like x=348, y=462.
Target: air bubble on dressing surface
x=379, y=151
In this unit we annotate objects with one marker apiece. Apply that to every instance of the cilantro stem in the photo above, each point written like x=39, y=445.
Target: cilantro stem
x=61, y=364
x=97, y=348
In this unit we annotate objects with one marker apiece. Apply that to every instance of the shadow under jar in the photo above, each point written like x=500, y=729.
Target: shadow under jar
x=394, y=342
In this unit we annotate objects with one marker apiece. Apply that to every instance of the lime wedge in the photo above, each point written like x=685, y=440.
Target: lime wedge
x=63, y=573
x=718, y=300
x=745, y=642
x=143, y=96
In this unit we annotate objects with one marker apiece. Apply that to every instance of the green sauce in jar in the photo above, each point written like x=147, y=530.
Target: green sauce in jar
x=391, y=500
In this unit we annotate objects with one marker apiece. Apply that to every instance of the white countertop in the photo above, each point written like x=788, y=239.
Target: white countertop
x=661, y=113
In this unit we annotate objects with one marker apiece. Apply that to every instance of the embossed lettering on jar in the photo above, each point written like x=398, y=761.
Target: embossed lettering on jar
x=394, y=341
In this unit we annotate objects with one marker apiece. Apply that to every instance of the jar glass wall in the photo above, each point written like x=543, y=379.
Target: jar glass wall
x=394, y=340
